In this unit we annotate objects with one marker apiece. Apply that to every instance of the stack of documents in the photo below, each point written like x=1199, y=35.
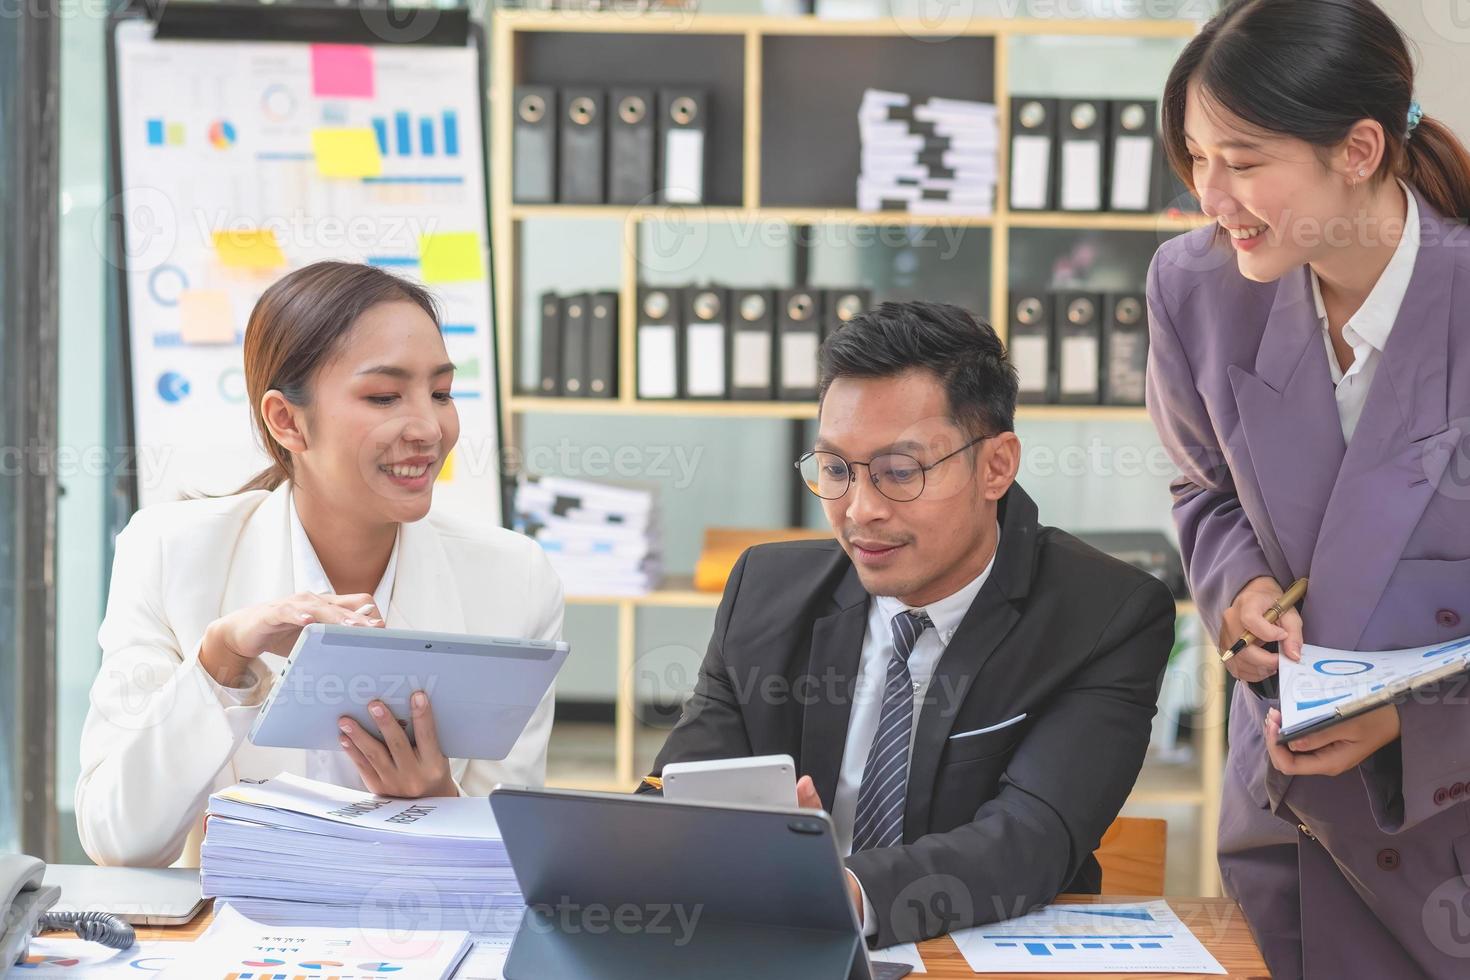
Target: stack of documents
x=294, y=851
x=933, y=157
x=236, y=947
x=602, y=540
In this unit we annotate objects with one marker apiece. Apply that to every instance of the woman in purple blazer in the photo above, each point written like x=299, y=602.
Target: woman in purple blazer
x=1310, y=374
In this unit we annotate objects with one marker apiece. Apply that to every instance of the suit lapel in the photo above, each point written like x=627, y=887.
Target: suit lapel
x=260, y=569
x=990, y=617
x=1288, y=415
x=1398, y=453
x=837, y=648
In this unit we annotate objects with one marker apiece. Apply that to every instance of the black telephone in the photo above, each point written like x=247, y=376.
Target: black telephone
x=24, y=905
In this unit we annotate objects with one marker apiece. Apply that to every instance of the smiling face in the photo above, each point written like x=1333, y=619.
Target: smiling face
x=380, y=419
x=928, y=548
x=1284, y=202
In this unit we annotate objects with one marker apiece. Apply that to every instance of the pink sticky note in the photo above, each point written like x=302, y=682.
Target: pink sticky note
x=342, y=70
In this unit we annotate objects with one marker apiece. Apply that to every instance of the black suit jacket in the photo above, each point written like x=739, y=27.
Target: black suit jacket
x=994, y=824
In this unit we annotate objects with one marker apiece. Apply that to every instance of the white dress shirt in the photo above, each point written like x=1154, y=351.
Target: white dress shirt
x=328, y=766
x=1368, y=329
x=872, y=679
x=334, y=766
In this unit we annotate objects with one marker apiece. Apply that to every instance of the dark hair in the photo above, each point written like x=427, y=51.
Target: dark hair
x=1313, y=69
x=297, y=325
x=960, y=349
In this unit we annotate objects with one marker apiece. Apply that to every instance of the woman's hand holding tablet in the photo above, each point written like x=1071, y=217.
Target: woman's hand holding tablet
x=394, y=767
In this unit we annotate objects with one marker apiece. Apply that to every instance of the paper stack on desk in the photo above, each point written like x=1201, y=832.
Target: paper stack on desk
x=293, y=851
x=602, y=540
x=936, y=157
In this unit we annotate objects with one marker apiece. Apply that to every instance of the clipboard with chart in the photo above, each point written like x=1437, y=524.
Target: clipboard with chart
x=249, y=141
x=1327, y=687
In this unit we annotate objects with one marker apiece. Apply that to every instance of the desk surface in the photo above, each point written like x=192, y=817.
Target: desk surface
x=1216, y=921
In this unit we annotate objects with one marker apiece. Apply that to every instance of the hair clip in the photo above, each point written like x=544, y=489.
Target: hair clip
x=1416, y=113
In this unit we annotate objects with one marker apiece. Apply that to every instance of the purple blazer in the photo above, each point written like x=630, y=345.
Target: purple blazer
x=1366, y=874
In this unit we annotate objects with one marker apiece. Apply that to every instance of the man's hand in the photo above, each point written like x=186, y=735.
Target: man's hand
x=1335, y=750
x=807, y=796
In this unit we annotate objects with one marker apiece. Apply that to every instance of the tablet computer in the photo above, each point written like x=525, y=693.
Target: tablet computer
x=483, y=689
x=625, y=887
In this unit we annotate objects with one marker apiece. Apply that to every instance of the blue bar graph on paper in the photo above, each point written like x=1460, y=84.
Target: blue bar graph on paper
x=426, y=137
x=1122, y=945
x=451, y=133
x=380, y=127
x=1037, y=949
x=155, y=132
x=1064, y=946
x=459, y=328
x=405, y=141
x=1092, y=945
x=1149, y=946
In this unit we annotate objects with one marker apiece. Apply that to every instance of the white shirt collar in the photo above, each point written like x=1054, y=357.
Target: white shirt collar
x=1374, y=319
x=949, y=612
x=311, y=577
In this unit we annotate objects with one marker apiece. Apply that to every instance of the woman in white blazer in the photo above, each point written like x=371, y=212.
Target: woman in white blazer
x=349, y=385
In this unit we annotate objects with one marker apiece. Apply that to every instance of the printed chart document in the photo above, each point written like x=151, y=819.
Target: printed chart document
x=486, y=961
x=1328, y=686
x=236, y=947
x=1146, y=937
x=69, y=958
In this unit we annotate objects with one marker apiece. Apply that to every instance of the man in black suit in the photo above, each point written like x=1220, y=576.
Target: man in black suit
x=969, y=690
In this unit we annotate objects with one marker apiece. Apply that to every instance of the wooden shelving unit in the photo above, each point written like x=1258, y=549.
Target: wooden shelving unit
x=521, y=36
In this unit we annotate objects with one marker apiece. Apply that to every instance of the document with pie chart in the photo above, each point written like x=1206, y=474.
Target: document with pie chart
x=1329, y=686
x=236, y=948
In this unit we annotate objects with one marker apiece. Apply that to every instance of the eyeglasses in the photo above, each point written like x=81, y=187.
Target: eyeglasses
x=897, y=476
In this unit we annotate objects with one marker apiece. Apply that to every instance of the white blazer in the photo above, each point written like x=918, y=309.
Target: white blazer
x=159, y=739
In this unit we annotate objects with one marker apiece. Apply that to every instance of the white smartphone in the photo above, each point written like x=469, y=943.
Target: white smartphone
x=762, y=780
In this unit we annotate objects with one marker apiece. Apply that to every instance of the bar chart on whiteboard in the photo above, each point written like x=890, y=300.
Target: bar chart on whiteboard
x=241, y=161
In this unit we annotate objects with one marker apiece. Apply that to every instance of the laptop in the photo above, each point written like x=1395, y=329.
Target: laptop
x=619, y=887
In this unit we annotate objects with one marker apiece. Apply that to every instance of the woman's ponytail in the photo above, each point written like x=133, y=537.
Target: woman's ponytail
x=1437, y=163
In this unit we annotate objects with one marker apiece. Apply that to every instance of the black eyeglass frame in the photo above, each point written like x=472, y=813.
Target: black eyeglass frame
x=852, y=473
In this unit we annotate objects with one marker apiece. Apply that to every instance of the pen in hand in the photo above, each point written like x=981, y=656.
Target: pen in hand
x=1288, y=599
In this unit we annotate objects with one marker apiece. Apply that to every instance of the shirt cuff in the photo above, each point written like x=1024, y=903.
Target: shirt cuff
x=249, y=696
x=870, y=920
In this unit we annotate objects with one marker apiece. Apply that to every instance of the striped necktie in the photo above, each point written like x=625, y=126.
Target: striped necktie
x=879, y=819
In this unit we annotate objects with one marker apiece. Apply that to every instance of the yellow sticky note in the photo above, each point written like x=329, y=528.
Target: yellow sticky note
x=452, y=256
x=205, y=317
x=346, y=152
x=254, y=248
x=175, y=134
x=446, y=472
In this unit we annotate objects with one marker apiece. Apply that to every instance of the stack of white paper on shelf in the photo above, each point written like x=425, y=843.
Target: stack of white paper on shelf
x=294, y=851
x=237, y=947
x=602, y=540
x=937, y=156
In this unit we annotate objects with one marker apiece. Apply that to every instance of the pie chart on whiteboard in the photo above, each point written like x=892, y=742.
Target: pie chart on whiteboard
x=173, y=387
